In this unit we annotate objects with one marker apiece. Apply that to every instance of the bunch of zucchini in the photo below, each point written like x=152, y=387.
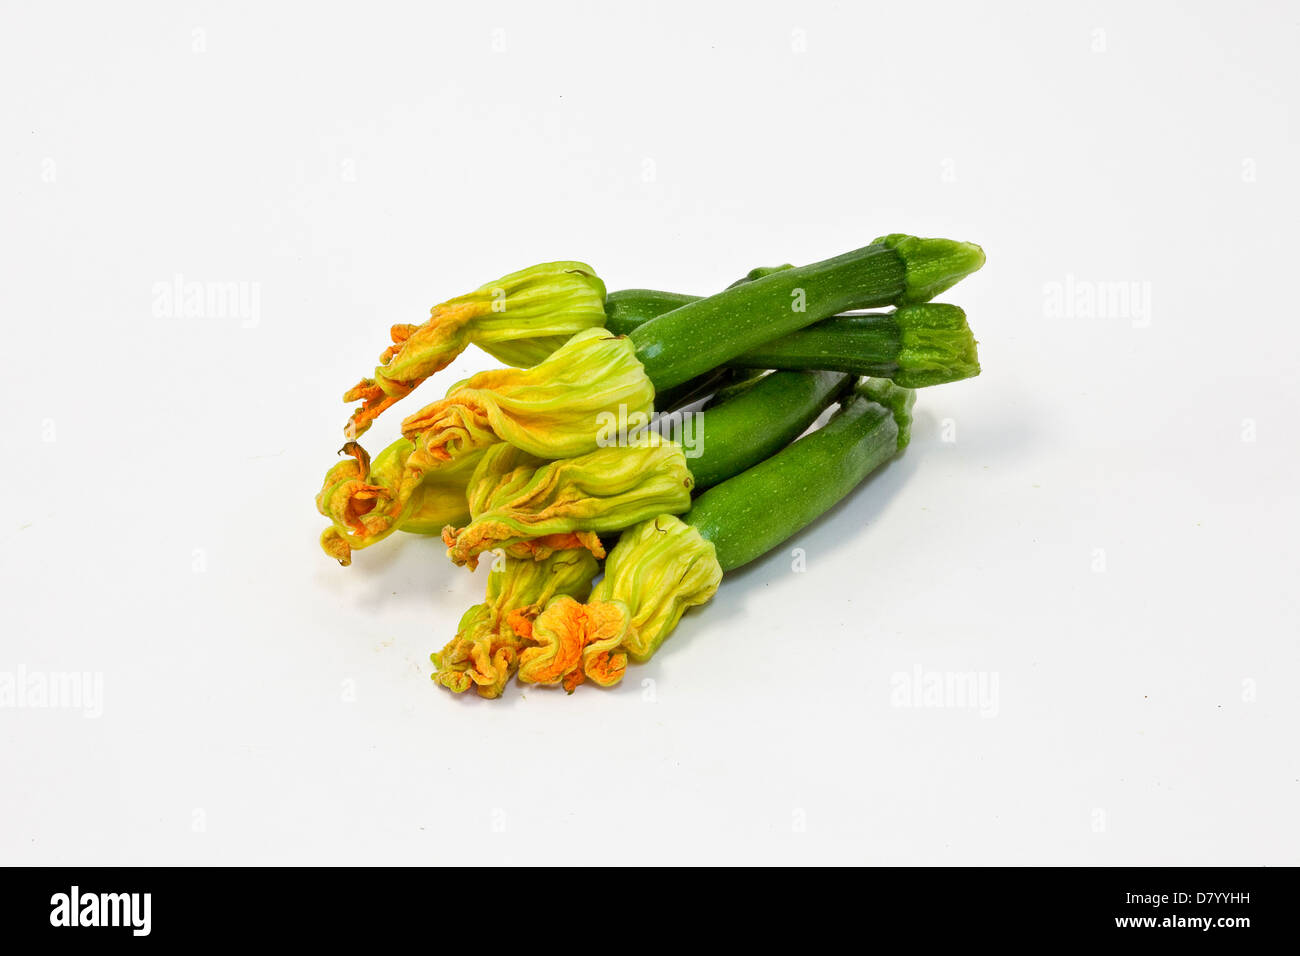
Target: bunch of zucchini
x=558, y=461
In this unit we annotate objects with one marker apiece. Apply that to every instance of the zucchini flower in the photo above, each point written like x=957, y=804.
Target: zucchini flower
x=658, y=569
x=519, y=319
x=486, y=649
x=556, y=409
x=572, y=642
x=519, y=505
x=502, y=469
x=436, y=503
x=366, y=500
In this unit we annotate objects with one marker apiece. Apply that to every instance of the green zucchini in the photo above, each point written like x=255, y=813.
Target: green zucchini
x=628, y=309
x=759, y=421
x=754, y=512
x=914, y=346
x=701, y=335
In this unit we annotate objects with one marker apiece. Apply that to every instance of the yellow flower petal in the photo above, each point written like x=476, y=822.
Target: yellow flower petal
x=487, y=645
x=657, y=570
x=572, y=642
x=520, y=318
x=552, y=410
x=367, y=500
x=602, y=491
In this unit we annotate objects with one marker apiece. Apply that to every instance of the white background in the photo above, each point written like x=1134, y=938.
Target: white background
x=1110, y=536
